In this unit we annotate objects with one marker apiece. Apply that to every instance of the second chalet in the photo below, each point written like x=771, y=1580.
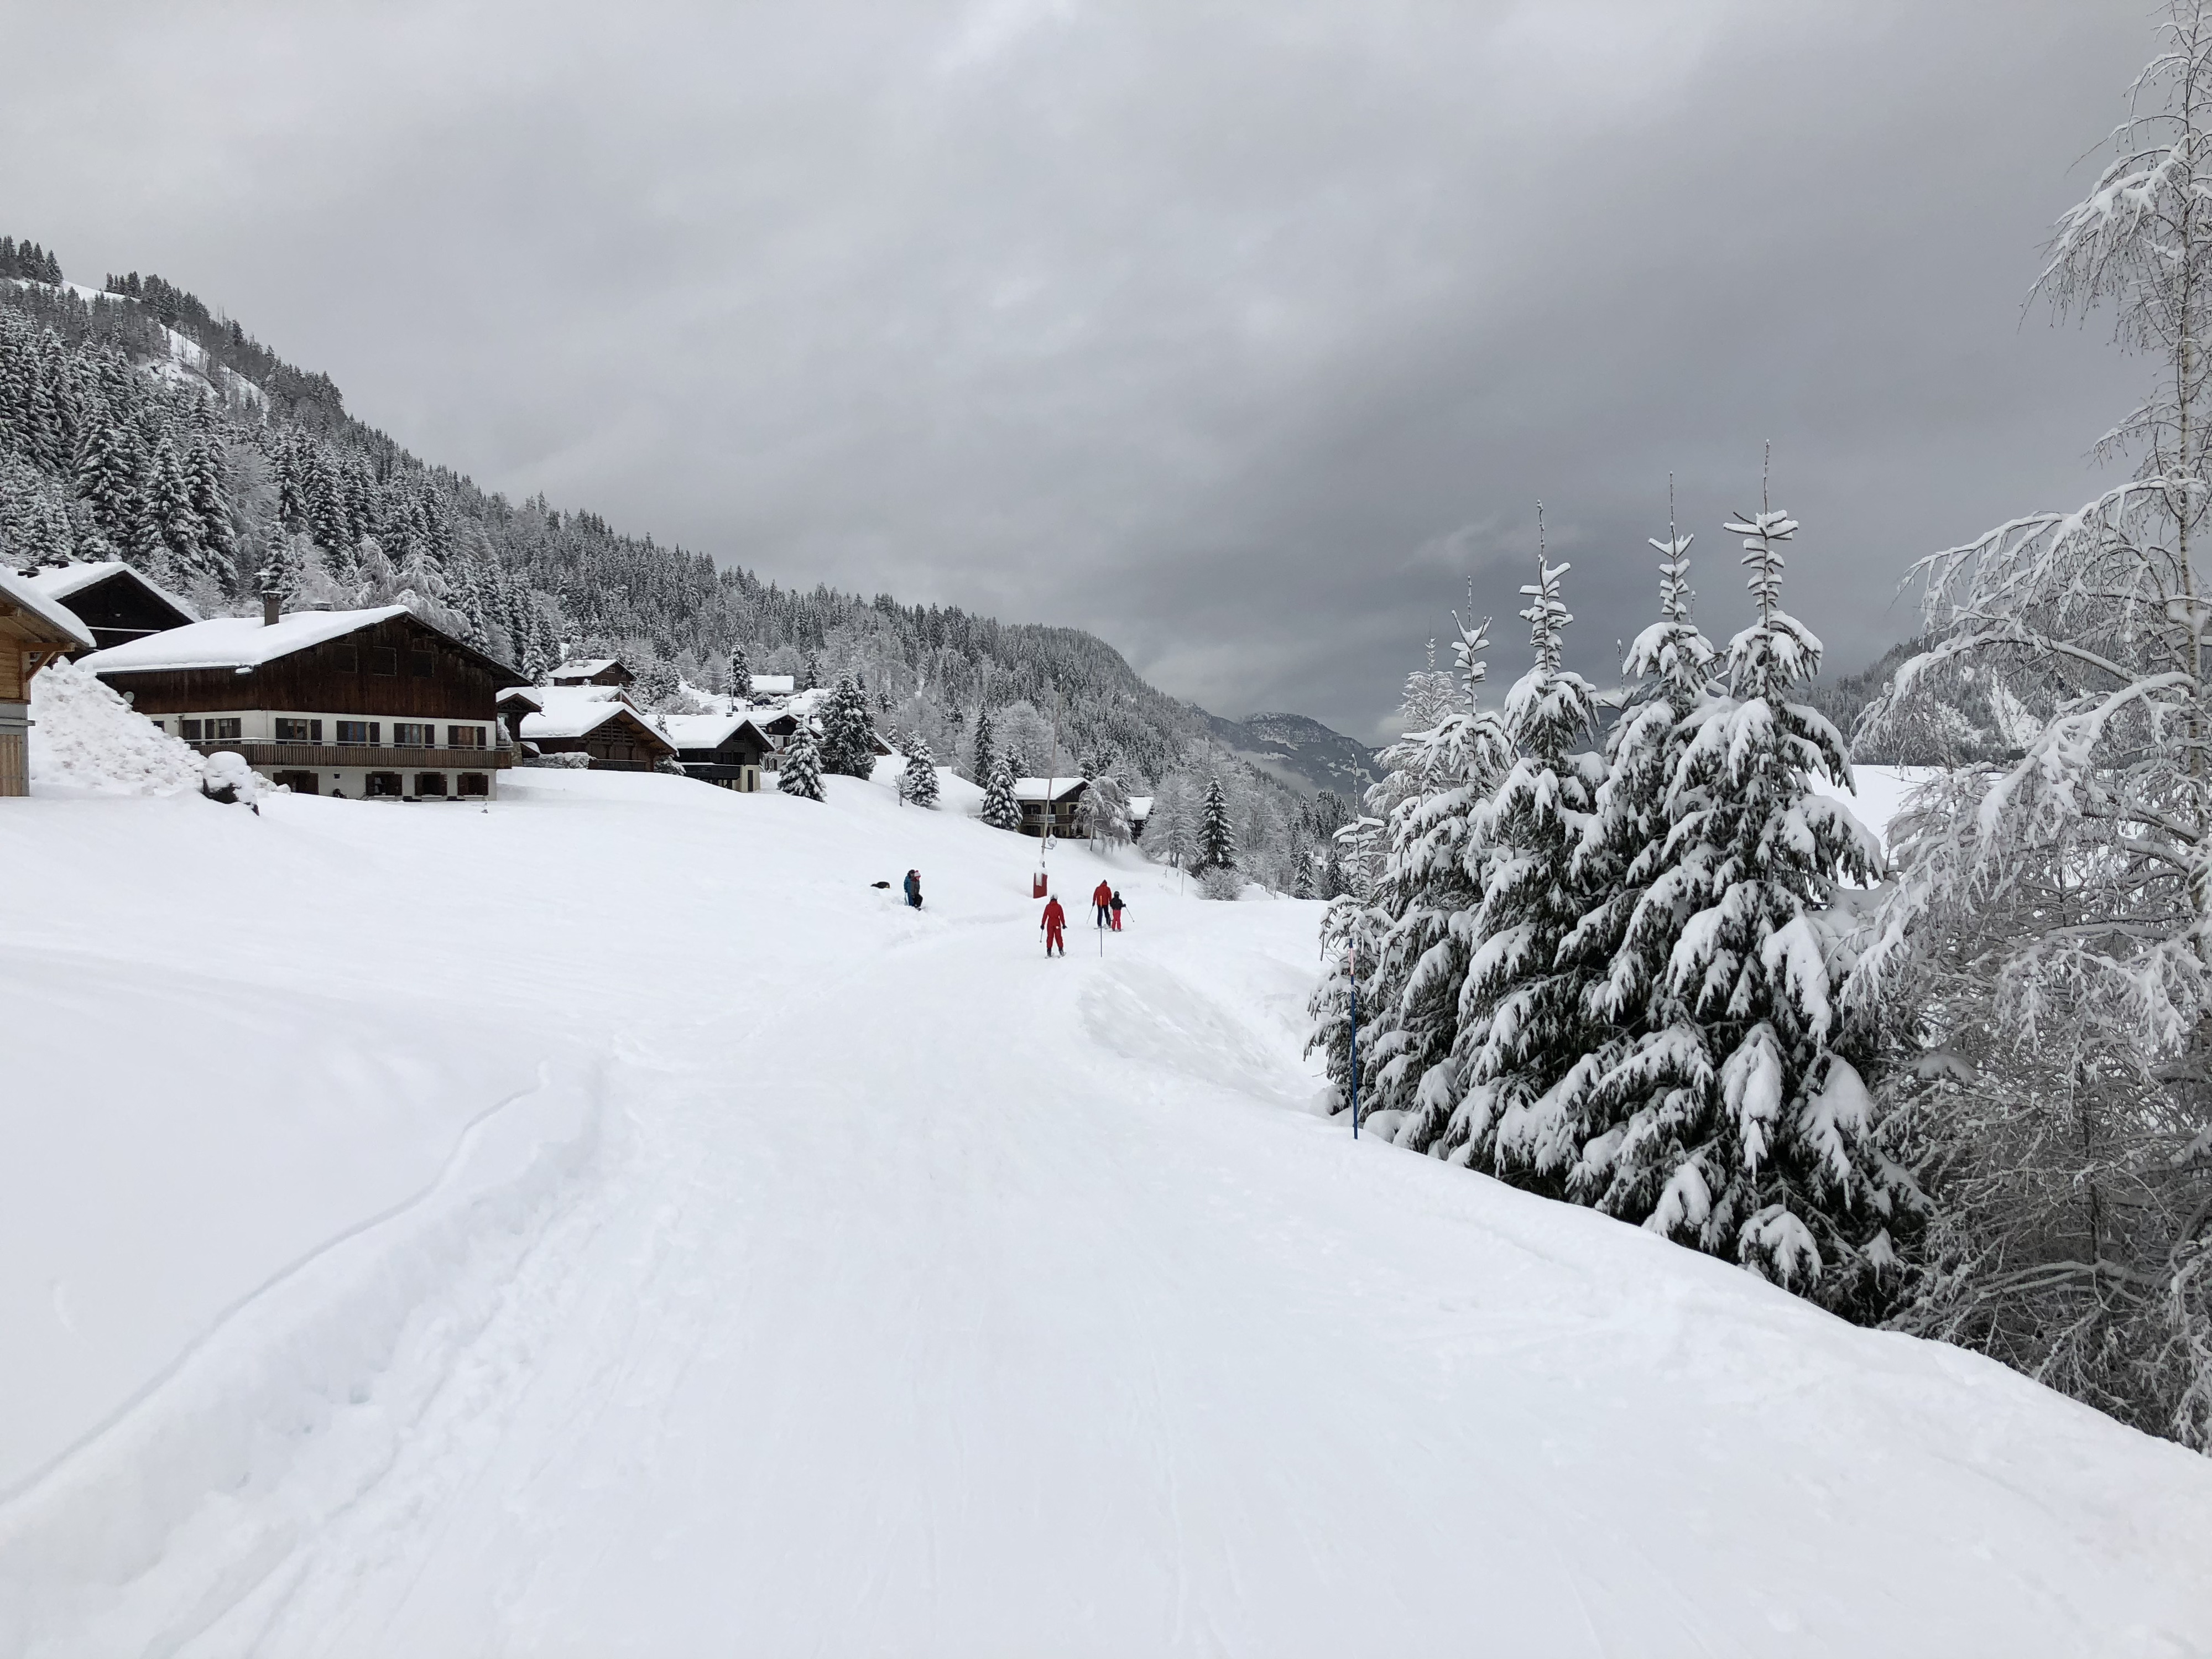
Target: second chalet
x=363, y=704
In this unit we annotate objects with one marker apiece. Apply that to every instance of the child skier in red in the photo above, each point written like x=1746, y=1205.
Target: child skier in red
x=1055, y=926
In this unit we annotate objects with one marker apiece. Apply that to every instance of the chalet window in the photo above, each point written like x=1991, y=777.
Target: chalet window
x=384, y=784
x=300, y=783
x=465, y=737
x=161, y=726
x=291, y=731
x=421, y=664
x=346, y=658
x=430, y=783
x=207, y=730
x=414, y=734
x=475, y=783
x=383, y=659
x=367, y=732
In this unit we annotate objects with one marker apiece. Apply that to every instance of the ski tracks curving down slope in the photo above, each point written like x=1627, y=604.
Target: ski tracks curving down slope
x=900, y=1291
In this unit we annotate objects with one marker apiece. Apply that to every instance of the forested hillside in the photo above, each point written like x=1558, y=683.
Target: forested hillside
x=135, y=423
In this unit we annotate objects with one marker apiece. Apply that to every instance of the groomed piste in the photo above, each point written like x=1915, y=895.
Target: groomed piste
x=607, y=1224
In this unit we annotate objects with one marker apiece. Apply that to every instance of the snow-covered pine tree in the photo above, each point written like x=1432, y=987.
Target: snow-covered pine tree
x=986, y=754
x=848, y=733
x=285, y=568
x=1743, y=1122
x=1429, y=867
x=810, y=673
x=1000, y=810
x=800, y=772
x=1216, y=842
x=1623, y=853
x=2044, y=950
x=918, y=783
x=741, y=675
x=1526, y=1052
x=170, y=505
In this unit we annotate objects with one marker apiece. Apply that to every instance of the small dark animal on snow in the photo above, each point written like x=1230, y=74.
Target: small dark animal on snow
x=880, y=884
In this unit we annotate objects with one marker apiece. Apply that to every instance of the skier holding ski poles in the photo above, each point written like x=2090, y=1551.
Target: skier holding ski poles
x=1102, y=896
x=1055, y=926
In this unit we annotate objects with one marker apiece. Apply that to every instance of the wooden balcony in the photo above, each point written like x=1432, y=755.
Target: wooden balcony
x=376, y=757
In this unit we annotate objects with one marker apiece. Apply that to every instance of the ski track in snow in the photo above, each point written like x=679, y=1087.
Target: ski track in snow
x=868, y=1283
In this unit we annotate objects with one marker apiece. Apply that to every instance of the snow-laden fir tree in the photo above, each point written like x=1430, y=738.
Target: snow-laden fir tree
x=848, y=732
x=741, y=675
x=918, y=783
x=2047, y=950
x=1742, y=1123
x=1432, y=868
x=800, y=772
x=986, y=757
x=1525, y=1052
x=1216, y=842
x=1350, y=929
x=1000, y=810
x=1624, y=853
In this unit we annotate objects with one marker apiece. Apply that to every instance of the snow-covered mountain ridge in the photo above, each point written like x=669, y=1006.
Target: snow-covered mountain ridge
x=1300, y=750
x=453, y=1261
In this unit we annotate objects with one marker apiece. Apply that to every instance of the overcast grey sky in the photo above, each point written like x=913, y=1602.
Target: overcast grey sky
x=1241, y=334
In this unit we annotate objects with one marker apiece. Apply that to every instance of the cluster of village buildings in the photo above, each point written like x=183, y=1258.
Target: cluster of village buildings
x=379, y=704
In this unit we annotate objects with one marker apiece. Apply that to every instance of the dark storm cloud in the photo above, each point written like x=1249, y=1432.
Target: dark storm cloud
x=1241, y=335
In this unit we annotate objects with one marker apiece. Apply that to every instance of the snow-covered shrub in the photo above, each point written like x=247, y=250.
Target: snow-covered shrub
x=1220, y=882
x=226, y=777
x=567, y=761
x=84, y=736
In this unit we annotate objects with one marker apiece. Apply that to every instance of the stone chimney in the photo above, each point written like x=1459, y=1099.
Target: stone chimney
x=272, y=606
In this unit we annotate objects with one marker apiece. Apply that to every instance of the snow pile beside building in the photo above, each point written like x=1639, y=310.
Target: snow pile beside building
x=85, y=739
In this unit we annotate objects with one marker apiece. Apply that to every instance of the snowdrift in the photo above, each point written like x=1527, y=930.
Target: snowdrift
x=607, y=1223
x=85, y=739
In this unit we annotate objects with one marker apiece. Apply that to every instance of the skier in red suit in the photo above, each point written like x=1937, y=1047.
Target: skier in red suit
x=1055, y=926
x=1102, y=896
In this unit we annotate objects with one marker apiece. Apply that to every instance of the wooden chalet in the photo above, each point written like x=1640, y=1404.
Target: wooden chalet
x=34, y=630
x=1140, y=814
x=115, y=603
x=595, y=671
x=374, y=704
x=597, y=720
x=517, y=701
x=780, y=726
x=1048, y=805
x=726, y=749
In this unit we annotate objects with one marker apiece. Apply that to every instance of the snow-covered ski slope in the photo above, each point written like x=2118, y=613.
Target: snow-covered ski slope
x=604, y=1224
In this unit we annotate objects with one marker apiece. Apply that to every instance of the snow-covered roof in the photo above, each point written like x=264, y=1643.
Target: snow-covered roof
x=584, y=670
x=1140, y=806
x=19, y=591
x=706, y=731
x=234, y=642
x=534, y=696
x=59, y=581
x=774, y=686
x=574, y=711
x=1035, y=788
